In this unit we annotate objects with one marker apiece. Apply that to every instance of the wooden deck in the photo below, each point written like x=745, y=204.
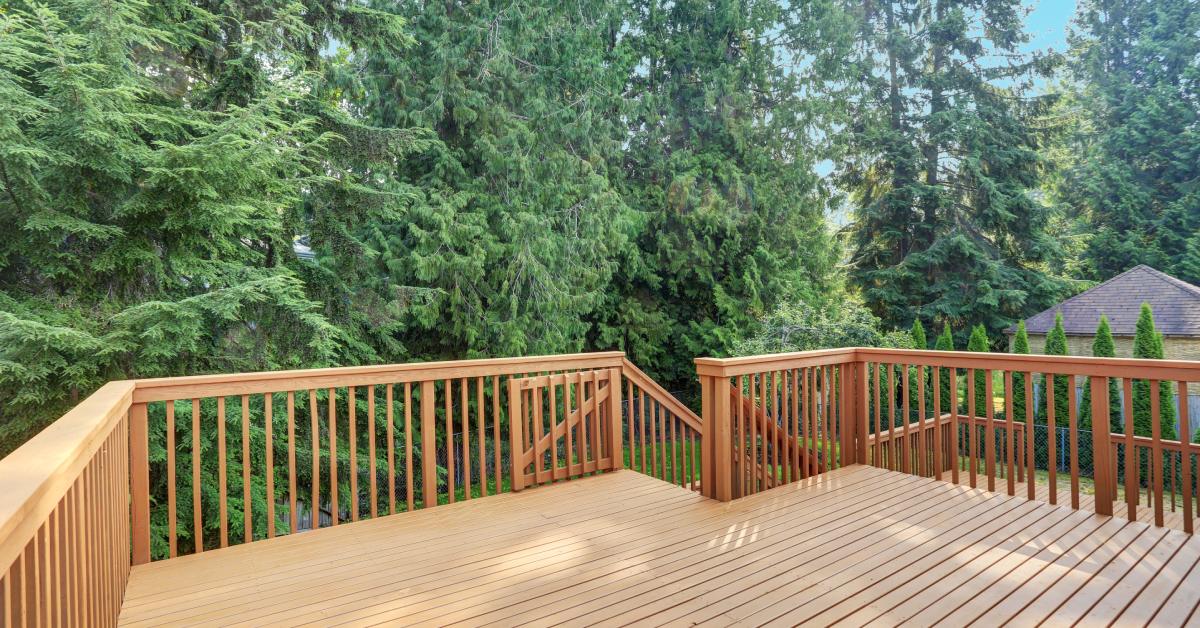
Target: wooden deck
x=856, y=546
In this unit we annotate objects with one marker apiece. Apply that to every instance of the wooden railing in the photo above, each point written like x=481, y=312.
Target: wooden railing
x=151, y=469
x=64, y=523
x=954, y=416
x=157, y=468
x=771, y=420
x=662, y=435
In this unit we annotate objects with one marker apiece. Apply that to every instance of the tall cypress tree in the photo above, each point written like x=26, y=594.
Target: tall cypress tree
x=1056, y=344
x=939, y=153
x=1020, y=347
x=945, y=342
x=1103, y=347
x=1147, y=343
x=979, y=342
x=918, y=335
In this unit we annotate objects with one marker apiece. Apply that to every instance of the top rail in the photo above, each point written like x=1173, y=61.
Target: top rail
x=198, y=386
x=660, y=394
x=1166, y=370
x=35, y=477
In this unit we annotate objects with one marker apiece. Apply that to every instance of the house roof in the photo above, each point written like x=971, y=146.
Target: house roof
x=1176, y=306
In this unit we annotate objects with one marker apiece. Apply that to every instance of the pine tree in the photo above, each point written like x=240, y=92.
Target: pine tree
x=979, y=342
x=1132, y=156
x=1102, y=346
x=1147, y=343
x=939, y=155
x=1056, y=344
x=1020, y=347
x=505, y=237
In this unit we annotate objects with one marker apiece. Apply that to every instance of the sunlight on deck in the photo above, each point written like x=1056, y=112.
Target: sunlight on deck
x=858, y=546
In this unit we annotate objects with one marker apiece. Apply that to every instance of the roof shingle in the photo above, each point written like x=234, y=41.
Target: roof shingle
x=1176, y=306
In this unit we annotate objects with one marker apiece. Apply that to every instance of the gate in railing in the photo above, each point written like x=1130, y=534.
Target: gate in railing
x=564, y=426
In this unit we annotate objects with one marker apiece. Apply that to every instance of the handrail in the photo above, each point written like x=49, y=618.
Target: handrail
x=198, y=386
x=904, y=382
x=64, y=517
x=1174, y=370
x=35, y=477
x=660, y=394
x=773, y=361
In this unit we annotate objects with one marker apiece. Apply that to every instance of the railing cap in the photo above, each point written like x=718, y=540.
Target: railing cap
x=1140, y=368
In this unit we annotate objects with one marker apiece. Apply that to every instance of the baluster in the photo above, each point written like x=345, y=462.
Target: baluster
x=269, y=420
x=1185, y=455
x=293, y=518
x=1156, y=450
x=315, y=508
x=409, y=479
x=172, y=531
x=334, y=489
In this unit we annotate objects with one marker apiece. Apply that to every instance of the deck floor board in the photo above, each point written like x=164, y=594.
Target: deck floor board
x=855, y=546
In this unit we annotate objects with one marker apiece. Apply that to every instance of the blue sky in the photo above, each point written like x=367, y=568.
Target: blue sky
x=1047, y=24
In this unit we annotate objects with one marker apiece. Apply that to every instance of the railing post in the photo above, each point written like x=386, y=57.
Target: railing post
x=139, y=483
x=516, y=440
x=1101, y=447
x=717, y=456
x=616, y=446
x=860, y=411
x=428, y=445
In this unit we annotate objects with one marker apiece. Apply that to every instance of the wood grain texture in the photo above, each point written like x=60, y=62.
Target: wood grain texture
x=858, y=545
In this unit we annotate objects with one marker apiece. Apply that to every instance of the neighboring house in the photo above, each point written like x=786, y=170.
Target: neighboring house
x=1176, y=306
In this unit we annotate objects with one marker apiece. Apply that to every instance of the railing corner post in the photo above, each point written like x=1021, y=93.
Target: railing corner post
x=717, y=456
x=1101, y=449
x=616, y=446
x=516, y=442
x=860, y=412
x=139, y=483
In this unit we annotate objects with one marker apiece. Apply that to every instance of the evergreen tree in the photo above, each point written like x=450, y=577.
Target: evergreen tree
x=515, y=225
x=1104, y=347
x=945, y=342
x=1147, y=343
x=1132, y=156
x=719, y=174
x=1056, y=344
x=158, y=163
x=1020, y=347
x=918, y=335
x=979, y=342
x=939, y=152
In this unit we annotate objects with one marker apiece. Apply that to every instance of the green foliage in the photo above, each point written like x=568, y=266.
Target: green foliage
x=1104, y=347
x=1019, y=392
x=979, y=342
x=1147, y=343
x=508, y=243
x=802, y=327
x=938, y=151
x=1130, y=155
x=719, y=177
x=918, y=335
x=1056, y=344
x=945, y=342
